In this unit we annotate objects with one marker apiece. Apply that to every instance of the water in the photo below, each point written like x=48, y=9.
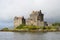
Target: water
x=29, y=36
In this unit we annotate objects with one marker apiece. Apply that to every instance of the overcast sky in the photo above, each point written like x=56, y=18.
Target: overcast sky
x=11, y=8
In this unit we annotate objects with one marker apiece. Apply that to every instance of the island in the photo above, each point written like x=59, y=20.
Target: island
x=35, y=23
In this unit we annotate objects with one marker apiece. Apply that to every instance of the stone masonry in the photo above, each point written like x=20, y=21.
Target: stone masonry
x=36, y=18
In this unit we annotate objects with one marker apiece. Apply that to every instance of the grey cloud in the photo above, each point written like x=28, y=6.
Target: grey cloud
x=11, y=8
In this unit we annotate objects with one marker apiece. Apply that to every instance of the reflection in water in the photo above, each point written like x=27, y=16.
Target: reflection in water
x=29, y=36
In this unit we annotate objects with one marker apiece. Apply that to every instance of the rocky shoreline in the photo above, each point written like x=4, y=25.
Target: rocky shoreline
x=29, y=31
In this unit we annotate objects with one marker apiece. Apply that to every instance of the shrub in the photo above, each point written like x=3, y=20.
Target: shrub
x=20, y=26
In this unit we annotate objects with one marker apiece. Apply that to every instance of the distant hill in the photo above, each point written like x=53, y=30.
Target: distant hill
x=52, y=20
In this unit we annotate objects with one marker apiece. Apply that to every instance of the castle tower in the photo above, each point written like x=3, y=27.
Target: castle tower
x=40, y=16
x=18, y=21
x=36, y=18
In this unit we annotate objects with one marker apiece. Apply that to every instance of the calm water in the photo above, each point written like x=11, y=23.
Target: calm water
x=29, y=36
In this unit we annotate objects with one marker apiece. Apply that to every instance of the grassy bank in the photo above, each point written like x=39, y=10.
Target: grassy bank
x=33, y=28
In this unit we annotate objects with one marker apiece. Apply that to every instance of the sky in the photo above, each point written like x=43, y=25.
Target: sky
x=11, y=8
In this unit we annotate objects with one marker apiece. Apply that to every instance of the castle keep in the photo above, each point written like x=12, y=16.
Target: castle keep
x=36, y=18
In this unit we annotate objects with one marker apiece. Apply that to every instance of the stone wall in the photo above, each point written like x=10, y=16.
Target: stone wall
x=36, y=18
x=18, y=21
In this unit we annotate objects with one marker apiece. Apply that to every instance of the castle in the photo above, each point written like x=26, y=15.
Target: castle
x=36, y=18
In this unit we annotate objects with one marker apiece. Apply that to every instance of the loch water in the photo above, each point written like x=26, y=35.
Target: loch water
x=29, y=35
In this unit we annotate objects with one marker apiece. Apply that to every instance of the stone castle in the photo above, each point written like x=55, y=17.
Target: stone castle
x=36, y=18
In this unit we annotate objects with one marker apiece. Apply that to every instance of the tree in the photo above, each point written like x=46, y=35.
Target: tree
x=5, y=28
x=56, y=24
